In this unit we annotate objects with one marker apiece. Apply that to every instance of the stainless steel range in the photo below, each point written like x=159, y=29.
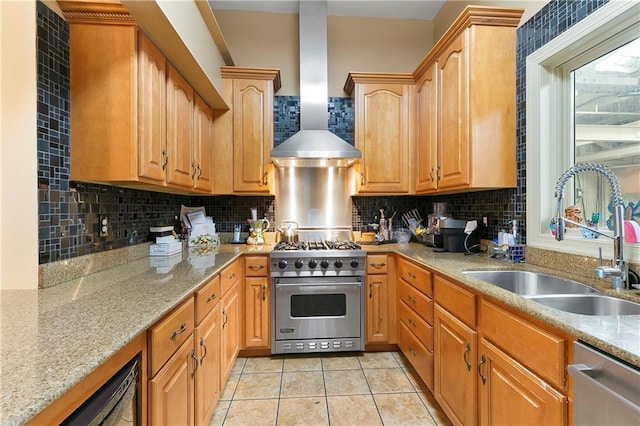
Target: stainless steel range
x=318, y=297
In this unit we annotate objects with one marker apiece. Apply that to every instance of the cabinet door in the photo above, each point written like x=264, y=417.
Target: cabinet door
x=257, y=317
x=377, y=309
x=512, y=395
x=455, y=373
x=171, y=390
x=252, y=134
x=207, y=380
x=427, y=170
x=453, y=143
x=202, y=146
x=179, y=129
x=152, y=87
x=231, y=331
x=383, y=135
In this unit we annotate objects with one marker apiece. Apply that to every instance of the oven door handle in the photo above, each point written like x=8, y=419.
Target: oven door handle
x=323, y=286
x=317, y=282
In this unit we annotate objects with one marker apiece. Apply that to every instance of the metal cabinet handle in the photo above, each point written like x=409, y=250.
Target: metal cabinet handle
x=264, y=292
x=411, y=299
x=412, y=322
x=265, y=180
x=232, y=276
x=199, y=172
x=362, y=178
x=194, y=170
x=464, y=356
x=183, y=328
x=411, y=275
x=210, y=298
x=377, y=265
x=438, y=174
x=412, y=352
x=483, y=360
x=370, y=290
x=195, y=362
x=225, y=318
x=431, y=174
x=204, y=347
x=256, y=267
x=166, y=159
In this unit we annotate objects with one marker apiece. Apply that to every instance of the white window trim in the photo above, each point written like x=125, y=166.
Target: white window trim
x=548, y=109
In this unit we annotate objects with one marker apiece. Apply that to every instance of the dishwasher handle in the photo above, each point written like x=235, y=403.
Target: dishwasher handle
x=580, y=372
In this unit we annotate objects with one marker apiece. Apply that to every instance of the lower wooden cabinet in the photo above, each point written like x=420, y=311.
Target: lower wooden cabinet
x=231, y=331
x=207, y=379
x=171, y=394
x=377, y=307
x=257, y=303
x=512, y=395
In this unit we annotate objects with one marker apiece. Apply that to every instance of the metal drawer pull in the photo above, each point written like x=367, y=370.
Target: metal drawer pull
x=362, y=178
x=412, y=323
x=204, y=347
x=264, y=292
x=370, y=290
x=195, y=362
x=232, y=276
x=225, y=318
x=210, y=298
x=411, y=299
x=166, y=159
x=464, y=356
x=483, y=359
x=183, y=328
x=412, y=352
x=256, y=268
x=377, y=265
x=411, y=275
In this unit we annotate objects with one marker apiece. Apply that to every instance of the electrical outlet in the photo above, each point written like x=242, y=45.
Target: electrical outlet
x=103, y=225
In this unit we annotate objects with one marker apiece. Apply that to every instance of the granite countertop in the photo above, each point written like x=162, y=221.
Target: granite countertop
x=52, y=338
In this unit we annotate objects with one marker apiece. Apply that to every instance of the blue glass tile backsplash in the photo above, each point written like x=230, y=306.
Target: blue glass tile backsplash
x=69, y=211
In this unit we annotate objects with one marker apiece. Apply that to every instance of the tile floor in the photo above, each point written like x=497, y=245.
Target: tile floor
x=376, y=388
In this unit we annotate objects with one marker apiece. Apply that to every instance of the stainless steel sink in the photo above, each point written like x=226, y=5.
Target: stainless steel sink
x=589, y=304
x=527, y=283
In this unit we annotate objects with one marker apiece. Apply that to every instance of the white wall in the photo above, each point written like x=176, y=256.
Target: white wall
x=18, y=150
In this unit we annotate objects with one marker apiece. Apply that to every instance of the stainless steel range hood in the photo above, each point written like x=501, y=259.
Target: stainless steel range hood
x=314, y=145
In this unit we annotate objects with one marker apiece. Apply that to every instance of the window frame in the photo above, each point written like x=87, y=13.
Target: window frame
x=549, y=99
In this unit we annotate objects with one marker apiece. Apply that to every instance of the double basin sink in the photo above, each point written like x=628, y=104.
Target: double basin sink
x=557, y=293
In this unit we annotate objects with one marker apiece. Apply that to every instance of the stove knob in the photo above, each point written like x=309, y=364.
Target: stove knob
x=282, y=264
x=313, y=264
x=338, y=263
x=324, y=263
x=354, y=263
x=299, y=264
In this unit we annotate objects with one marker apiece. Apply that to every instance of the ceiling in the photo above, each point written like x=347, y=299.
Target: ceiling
x=399, y=9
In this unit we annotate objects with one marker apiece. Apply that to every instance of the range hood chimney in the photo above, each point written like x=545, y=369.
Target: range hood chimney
x=314, y=145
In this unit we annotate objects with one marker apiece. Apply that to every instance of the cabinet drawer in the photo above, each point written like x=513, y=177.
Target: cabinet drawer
x=416, y=276
x=166, y=336
x=541, y=351
x=230, y=275
x=256, y=266
x=418, y=355
x=207, y=297
x=455, y=299
x=419, y=327
x=377, y=264
x=417, y=301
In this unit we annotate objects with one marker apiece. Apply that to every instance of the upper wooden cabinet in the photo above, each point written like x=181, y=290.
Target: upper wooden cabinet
x=384, y=107
x=135, y=120
x=248, y=128
x=466, y=105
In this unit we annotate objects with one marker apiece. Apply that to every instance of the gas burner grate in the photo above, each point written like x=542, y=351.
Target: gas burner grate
x=316, y=245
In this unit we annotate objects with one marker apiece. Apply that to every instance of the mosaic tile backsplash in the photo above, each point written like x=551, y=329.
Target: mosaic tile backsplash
x=69, y=211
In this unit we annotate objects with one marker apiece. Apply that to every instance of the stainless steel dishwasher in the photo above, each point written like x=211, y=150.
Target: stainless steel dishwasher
x=606, y=391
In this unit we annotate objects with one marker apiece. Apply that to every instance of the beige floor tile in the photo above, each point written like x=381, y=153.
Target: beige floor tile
x=258, y=385
x=387, y=380
x=303, y=363
x=299, y=384
x=230, y=387
x=220, y=413
x=353, y=410
x=402, y=409
x=271, y=364
x=340, y=362
x=415, y=379
x=378, y=360
x=402, y=360
x=434, y=408
x=252, y=413
x=238, y=365
x=345, y=382
x=303, y=412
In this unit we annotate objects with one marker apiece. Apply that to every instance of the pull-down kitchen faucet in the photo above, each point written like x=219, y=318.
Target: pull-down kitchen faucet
x=619, y=271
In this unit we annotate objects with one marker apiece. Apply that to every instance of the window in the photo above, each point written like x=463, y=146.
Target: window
x=583, y=104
